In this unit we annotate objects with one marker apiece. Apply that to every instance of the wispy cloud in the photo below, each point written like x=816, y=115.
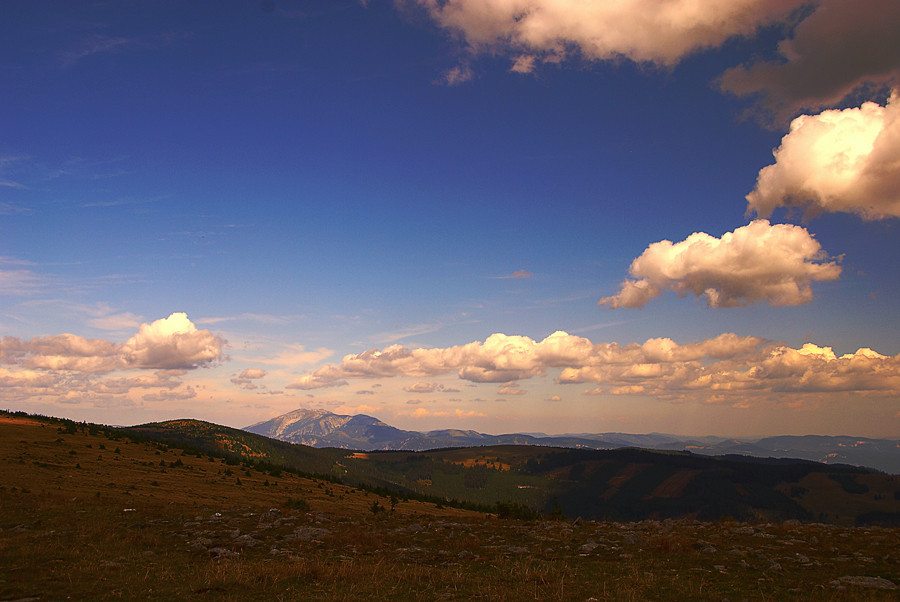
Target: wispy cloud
x=93, y=45
x=517, y=275
x=20, y=282
x=293, y=356
x=456, y=75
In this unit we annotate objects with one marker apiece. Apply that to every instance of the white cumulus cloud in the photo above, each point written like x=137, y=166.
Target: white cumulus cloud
x=172, y=342
x=756, y=263
x=839, y=160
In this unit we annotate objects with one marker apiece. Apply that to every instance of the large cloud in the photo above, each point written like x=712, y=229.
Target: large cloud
x=172, y=342
x=845, y=160
x=841, y=47
x=661, y=31
x=756, y=263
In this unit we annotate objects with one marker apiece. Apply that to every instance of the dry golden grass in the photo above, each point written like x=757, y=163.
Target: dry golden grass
x=80, y=520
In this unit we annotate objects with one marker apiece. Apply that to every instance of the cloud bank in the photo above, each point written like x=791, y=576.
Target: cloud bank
x=657, y=31
x=756, y=263
x=727, y=368
x=69, y=368
x=840, y=160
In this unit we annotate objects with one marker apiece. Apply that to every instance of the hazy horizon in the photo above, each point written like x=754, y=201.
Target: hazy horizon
x=500, y=216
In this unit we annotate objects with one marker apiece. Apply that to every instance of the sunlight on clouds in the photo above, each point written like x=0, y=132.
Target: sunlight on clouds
x=756, y=263
x=172, y=342
x=524, y=63
x=320, y=379
x=420, y=387
x=246, y=377
x=840, y=160
x=178, y=395
x=728, y=367
x=511, y=388
x=660, y=31
x=457, y=413
x=61, y=352
x=456, y=75
x=70, y=369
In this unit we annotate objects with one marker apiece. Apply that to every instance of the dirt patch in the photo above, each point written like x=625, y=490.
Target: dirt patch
x=17, y=420
x=625, y=475
x=673, y=487
x=490, y=463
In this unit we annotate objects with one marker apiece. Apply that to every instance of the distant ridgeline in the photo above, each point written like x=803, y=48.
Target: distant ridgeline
x=319, y=428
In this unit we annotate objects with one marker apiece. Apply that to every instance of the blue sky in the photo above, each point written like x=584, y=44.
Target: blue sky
x=228, y=210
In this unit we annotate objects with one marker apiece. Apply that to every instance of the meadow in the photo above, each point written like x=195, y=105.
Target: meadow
x=89, y=513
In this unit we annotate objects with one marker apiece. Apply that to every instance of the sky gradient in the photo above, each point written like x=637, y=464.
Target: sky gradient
x=504, y=215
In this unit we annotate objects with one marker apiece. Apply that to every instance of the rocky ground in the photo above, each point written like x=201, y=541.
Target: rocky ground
x=293, y=553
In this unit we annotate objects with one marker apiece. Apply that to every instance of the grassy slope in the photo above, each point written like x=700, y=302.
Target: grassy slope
x=97, y=516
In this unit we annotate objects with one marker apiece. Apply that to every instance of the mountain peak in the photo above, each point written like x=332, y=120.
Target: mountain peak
x=299, y=424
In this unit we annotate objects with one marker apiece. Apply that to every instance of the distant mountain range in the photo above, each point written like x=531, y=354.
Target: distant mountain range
x=320, y=428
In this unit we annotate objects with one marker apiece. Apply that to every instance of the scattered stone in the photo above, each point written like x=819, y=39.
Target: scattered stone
x=633, y=539
x=309, y=533
x=222, y=553
x=864, y=581
x=201, y=543
x=246, y=540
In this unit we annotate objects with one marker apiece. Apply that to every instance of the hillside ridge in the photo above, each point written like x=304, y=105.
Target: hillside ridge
x=321, y=428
